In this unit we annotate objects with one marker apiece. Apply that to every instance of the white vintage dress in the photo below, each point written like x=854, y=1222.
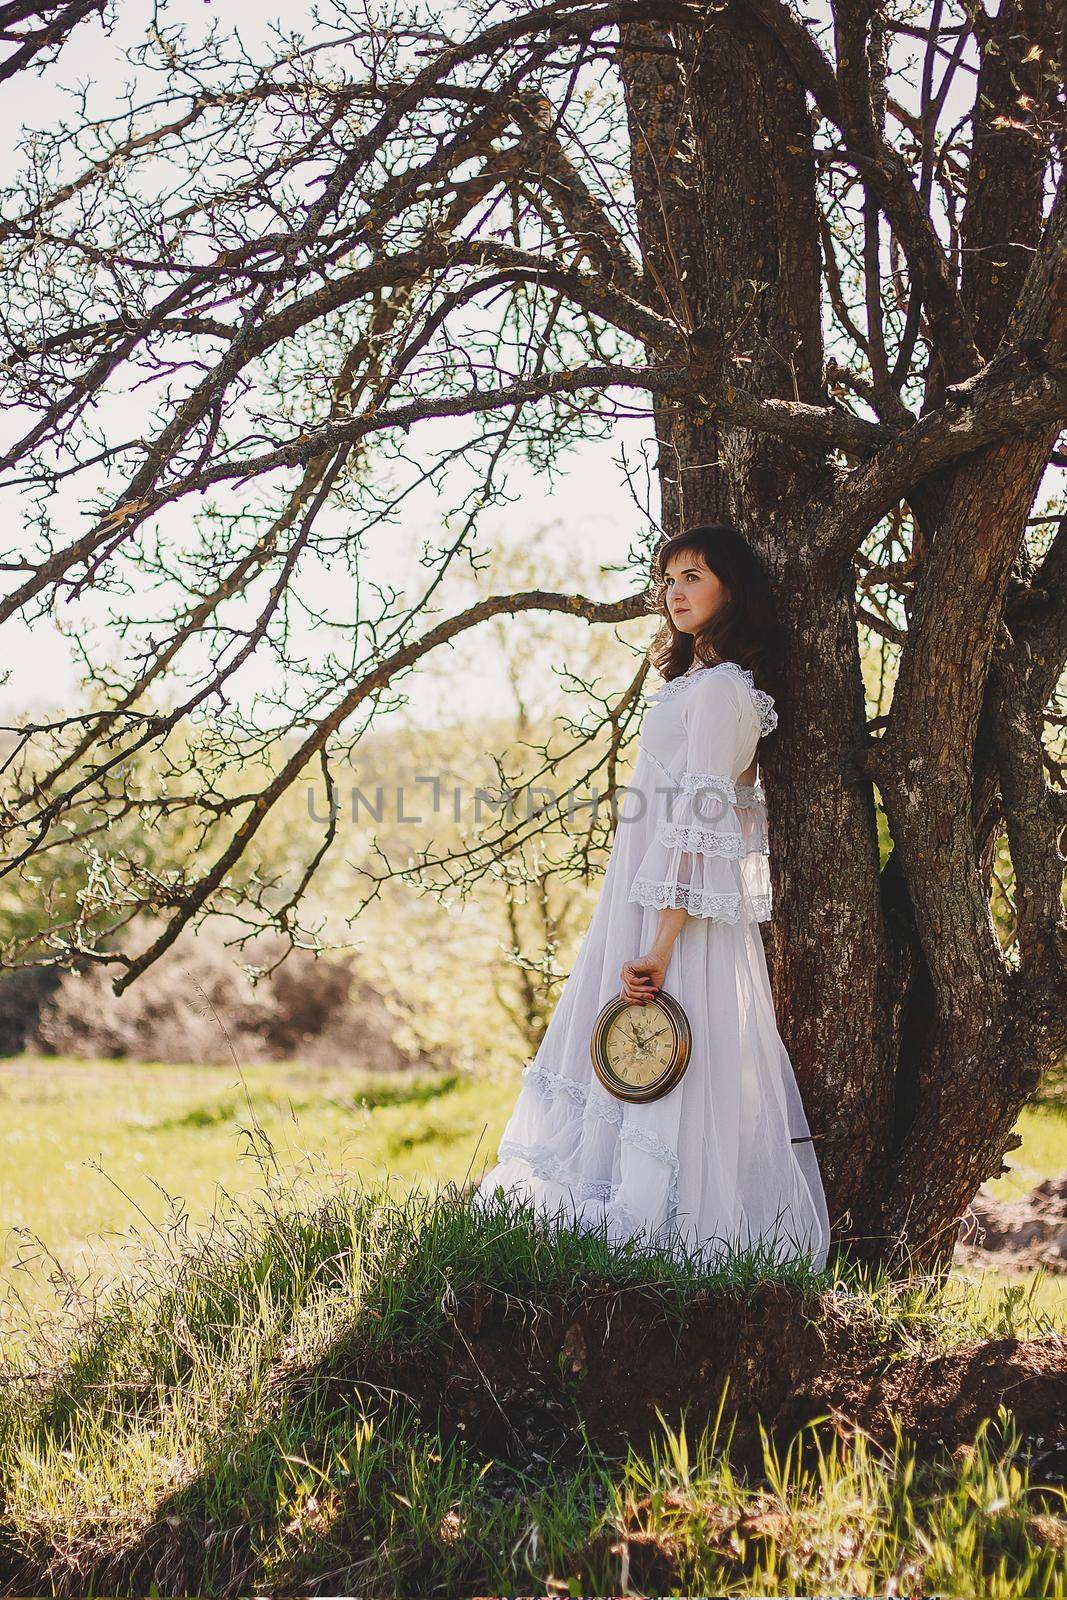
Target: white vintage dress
x=725, y=1160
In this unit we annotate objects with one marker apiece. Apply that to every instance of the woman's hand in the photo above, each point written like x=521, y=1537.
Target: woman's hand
x=642, y=979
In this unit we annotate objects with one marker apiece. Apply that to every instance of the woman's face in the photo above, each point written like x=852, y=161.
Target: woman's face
x=693, y=593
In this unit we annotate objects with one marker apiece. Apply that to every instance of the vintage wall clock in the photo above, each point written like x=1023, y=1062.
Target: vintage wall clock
x=640, y=1051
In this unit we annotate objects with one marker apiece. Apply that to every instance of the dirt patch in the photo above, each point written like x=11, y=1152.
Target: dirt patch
x=612, y=1359
x=526, y=1386
x=939, y=1398
x=1019, y=1234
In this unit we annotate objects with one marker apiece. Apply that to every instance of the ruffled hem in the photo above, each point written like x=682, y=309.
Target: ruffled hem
x=587, y=1201
x=548, y=1169
x=546, y=1164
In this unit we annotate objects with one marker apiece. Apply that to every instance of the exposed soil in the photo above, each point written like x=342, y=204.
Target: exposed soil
x=522, y=1391
x=1020, y=1235
x=938, y=1398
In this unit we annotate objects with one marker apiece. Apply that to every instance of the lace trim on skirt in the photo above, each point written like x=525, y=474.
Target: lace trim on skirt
x=546, y=1164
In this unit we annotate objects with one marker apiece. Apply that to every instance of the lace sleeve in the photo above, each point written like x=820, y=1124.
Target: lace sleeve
x=709, y=828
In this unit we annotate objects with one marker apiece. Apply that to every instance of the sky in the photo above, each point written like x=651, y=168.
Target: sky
x=589, y=512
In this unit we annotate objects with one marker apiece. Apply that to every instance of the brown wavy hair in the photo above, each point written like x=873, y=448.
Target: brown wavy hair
x=744, y=629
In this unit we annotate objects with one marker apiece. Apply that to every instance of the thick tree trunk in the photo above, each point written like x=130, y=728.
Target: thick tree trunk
x=752, y=290
x=912, y=1048
x=915, y=1042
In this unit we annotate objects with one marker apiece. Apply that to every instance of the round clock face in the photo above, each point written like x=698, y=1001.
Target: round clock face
x=640, y=1051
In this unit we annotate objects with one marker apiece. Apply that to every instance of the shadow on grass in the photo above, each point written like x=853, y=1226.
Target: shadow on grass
x=470, y=1377
x=474, y=1346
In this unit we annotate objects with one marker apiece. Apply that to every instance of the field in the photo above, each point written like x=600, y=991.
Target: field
x=90, y=1150
x=318, y=1372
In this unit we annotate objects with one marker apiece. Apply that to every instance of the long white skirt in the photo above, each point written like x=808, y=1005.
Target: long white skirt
x=725, y=1161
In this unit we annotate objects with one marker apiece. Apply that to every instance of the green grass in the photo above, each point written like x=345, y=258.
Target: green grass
x=1042, y=1154
x=221, y=1259
x=91, y=1149
x=217, y=1429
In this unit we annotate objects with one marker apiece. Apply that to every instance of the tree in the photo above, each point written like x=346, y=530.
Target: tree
x=28, y=31
x=411, y=246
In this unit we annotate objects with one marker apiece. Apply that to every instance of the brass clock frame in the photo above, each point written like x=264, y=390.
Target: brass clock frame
x=671, y=1011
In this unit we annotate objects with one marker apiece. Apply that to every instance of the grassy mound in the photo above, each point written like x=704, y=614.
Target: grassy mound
x=395, y=1395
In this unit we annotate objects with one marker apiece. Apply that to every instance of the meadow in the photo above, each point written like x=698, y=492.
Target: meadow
x=90, y=1150
x=257, y=1341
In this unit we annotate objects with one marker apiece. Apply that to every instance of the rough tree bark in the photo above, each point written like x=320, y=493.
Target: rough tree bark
x=914, y=1047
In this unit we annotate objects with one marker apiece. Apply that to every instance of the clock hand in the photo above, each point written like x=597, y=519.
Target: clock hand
x=638, y=1038
x=637, y=1051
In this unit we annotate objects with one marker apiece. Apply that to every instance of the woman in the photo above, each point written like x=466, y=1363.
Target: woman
x=724, y=1160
